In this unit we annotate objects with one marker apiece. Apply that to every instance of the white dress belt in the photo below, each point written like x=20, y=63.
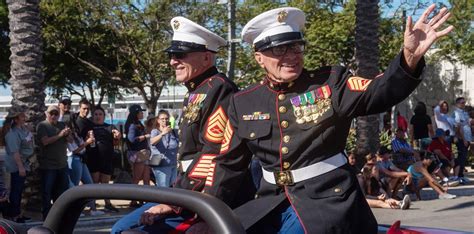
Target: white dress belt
x=185, y=164
x=294, y=176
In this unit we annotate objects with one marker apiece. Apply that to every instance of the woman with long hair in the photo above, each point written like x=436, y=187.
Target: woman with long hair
x=164, y=144
x=19, y=146
x=138, y=150
x=78, y=170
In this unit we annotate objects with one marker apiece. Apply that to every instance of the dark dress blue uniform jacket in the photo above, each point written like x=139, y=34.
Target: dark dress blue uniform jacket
x=296, y=124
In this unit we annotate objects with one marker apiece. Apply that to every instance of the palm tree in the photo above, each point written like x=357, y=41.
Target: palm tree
x=26, y=70
x=26, y=58
x=367, y=59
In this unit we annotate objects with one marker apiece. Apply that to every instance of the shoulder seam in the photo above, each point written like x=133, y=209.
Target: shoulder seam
x=248, y=91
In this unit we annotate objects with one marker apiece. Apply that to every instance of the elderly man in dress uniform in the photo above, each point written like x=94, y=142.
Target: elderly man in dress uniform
x=192, y=56
x=296, y=123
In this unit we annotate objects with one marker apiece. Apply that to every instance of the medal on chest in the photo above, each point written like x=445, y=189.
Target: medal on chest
x=309, y=106
x=195, y=102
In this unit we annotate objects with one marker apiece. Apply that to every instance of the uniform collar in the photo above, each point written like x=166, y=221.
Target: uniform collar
x=196, y=81
x=279, y=86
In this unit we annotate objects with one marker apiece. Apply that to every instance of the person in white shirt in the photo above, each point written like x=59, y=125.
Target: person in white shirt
x=444, y=120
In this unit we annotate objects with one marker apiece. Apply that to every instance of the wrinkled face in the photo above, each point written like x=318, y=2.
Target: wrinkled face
x=282, y=68
x=162, y=120
x=189, y=65
x=98, y=116
x=84, y=110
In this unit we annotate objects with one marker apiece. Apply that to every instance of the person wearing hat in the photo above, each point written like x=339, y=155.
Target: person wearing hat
x=192, y=57
x=440, y=147
x=19, y=146
x=65, y=110
x=296, y=122
x=53, y=157
x=390, y=175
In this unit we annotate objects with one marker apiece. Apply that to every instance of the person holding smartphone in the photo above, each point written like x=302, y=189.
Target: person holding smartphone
x=164, y=142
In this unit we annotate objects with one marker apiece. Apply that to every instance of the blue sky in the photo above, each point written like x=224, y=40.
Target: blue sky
x=5, y=91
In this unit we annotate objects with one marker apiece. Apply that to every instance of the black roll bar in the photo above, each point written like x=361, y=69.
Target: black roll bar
x=66, y=210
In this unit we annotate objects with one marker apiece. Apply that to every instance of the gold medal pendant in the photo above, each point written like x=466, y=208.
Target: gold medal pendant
x=307, y=114
x=300, y=121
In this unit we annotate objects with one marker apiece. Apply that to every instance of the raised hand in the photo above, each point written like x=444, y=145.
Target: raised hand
x=419, y=37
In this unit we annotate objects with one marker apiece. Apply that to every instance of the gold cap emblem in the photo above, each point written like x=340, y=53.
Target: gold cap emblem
x=282, y=15
x=176, y=24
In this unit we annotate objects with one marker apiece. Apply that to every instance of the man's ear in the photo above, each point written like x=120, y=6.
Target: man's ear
x=209, y=58
x=259, y=59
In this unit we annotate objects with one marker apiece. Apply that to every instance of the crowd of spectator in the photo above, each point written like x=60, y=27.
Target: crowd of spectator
x=434, y=155
x=78, y=148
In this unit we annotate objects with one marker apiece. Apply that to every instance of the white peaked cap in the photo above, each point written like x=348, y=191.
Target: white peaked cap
x=191, y=37
x=275, y=27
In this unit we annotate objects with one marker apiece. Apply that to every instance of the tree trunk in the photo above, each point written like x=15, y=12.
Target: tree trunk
x=367, y=59
x=27, y=74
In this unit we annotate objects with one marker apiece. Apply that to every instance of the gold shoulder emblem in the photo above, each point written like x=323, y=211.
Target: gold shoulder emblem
x=357, y=83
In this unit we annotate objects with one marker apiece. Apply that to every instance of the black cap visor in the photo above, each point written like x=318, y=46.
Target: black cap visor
x=185, y=47
x=279, y=39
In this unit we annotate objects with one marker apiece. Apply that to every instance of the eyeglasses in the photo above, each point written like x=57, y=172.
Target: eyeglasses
x=281, y=50
x=54, y=113
x=177, y=55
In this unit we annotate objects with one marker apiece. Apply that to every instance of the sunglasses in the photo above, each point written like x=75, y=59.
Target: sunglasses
x=177, y=55
x=281, y=50
x=54, y=113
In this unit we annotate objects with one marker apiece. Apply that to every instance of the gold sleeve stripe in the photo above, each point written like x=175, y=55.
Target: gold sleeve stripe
x=200, y=170
x=210, y=175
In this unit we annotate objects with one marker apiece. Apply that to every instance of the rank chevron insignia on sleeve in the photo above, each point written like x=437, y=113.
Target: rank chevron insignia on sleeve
x=357, y=83
x=216, y=126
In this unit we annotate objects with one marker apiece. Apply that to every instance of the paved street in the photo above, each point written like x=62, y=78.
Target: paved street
x=456, y=214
